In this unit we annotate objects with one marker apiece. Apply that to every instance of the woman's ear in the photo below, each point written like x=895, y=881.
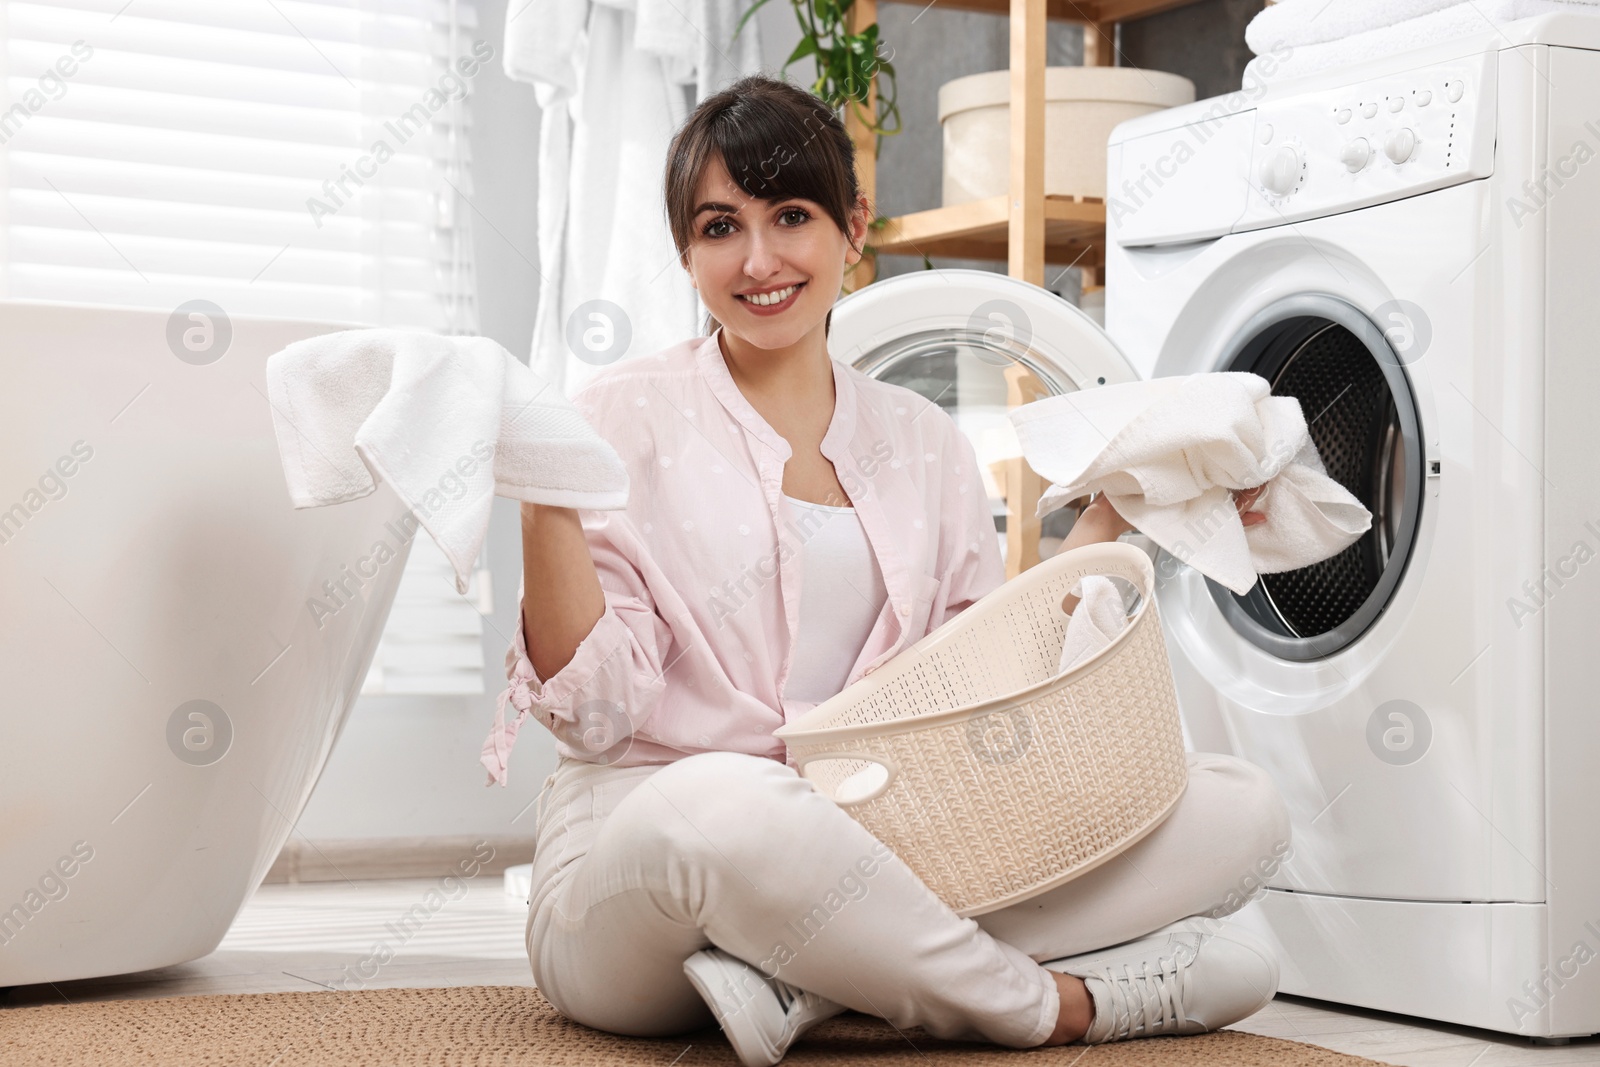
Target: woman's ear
x=860, y=219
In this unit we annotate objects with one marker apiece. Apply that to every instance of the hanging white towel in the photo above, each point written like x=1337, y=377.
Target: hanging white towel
x=1097, y=620
x=1307, y=36
x=447, y=422
x=1167, y=452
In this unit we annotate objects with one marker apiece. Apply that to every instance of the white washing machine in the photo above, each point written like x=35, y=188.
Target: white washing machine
x=1410, y=248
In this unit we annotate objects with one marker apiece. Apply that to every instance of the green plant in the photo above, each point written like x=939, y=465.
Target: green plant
x=845, y=61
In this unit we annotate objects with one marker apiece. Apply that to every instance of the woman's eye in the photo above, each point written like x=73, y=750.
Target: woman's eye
x=784, y=214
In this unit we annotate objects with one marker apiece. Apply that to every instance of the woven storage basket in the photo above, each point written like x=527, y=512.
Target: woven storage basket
x=991, y=774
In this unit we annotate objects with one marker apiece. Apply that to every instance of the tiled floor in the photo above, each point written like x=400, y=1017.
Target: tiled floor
x=319, y=935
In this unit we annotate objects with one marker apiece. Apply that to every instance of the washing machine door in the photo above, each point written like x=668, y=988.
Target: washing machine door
x=978, y=343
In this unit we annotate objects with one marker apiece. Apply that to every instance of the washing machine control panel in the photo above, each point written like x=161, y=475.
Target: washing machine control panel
x=1340, y=149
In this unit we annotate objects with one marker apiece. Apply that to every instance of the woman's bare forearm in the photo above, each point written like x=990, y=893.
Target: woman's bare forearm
x=1095, y=524
x=561, y=594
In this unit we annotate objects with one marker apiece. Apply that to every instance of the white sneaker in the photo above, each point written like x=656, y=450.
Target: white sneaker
x=761, y=1016
x=1189, y=977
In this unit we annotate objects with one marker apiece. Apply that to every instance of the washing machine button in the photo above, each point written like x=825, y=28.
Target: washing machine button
x=1266, y=133
x=1396, y=103
x=1342, y=116
x=1280, y=172
x=1399, y=144
x=1453, y=89
x=1369, y=110
x=1424, y=98
x=1356, y=154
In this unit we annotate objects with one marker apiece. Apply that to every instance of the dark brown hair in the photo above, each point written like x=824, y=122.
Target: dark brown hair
x=777, y=141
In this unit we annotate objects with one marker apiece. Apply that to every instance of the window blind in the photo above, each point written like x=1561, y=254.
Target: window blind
x=302, y=159
x=433, y=641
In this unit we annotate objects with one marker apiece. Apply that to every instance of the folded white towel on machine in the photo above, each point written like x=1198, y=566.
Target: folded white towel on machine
x=1167, y=452
x=448, y=422
x=1302, y=22
x=1306, y=36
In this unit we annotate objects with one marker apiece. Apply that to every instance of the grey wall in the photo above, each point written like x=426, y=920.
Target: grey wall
x=931, y=47
x=408, y=766
x=1204, y=42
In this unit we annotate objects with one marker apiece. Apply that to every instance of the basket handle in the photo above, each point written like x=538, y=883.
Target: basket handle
x=1103, y=557
x=871, y=787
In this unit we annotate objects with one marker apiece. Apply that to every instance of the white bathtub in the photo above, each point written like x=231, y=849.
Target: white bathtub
x=149, y=559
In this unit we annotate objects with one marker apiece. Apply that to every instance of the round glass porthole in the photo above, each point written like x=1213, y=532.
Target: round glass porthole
x=971, y=375
x=1362, y=417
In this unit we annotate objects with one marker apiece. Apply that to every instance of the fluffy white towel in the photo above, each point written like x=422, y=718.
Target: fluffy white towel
x=1300, y=22
x=1097, y=620
x=448, y=422
x=1168, y=451
x=1349, y=33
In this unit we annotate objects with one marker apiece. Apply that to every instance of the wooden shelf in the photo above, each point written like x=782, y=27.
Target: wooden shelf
x=1074, y=231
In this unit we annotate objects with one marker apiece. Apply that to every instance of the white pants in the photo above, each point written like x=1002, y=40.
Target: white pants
x=637, y=868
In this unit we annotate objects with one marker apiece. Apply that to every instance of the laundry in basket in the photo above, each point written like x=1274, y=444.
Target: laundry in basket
x=993, y=773
x=1099, y=617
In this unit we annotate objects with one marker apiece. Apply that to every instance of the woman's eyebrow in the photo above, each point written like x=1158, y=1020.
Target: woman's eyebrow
x=729, y=209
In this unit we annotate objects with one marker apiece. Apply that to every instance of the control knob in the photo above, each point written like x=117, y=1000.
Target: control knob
x=1399, y=144
x=1281, y=170
x=1355, y=154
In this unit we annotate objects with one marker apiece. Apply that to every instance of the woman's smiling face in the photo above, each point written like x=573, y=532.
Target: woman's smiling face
x=768, y=270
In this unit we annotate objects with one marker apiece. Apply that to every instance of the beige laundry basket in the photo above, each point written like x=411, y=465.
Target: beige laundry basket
x=991, y=775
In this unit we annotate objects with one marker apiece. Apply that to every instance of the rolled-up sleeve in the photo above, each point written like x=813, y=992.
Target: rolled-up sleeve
x=614, y=681
x=969, y=552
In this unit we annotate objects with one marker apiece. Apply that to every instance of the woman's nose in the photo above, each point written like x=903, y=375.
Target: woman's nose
x=761, y=258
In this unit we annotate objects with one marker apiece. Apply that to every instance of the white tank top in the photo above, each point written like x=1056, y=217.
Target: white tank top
x=841, y=595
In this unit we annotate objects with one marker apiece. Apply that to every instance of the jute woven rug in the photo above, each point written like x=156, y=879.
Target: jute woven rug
x=506, y=1025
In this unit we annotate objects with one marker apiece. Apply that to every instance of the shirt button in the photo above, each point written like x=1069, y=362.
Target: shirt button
x=905, y=609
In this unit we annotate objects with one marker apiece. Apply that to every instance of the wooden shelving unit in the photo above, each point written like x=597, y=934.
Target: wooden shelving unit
x=1025, y=228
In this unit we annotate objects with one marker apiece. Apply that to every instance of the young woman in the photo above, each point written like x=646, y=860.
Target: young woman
x=793, y=523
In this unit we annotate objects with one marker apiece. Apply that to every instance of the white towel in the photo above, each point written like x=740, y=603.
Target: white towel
x=1097, y=620
x=1322, y=34
x=1167, y=452
x=448, y=422
x=1300, y=22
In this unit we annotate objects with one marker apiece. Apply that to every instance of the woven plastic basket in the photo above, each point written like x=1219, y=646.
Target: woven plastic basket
x=994, y=776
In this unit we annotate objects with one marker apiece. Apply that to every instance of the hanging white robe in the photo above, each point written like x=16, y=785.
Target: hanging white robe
x=609, y=76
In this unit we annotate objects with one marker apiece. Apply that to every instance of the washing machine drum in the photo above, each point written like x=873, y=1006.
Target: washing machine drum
x=1360, y=413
